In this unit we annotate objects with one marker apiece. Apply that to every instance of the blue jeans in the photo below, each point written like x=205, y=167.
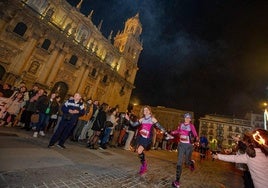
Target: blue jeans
x=106, y=135
x=43, y=120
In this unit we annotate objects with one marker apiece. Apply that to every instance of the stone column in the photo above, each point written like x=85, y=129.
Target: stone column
x=95, y=87
x=21, y=62
x=59, y=60
x=48, y=68
x=80, y=74
x=84, y=79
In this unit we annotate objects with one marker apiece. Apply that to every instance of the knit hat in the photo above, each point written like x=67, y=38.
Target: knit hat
x=187, y=115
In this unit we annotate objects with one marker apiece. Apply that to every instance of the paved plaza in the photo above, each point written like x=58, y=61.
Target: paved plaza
x=27, y=162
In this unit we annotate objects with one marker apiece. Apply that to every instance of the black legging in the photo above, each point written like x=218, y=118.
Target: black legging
x=28, y=115
x=94, y=138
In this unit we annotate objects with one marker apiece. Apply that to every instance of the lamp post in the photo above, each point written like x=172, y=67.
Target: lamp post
x=265, y=115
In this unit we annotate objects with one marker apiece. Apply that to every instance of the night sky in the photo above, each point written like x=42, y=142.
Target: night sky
x=204, y=56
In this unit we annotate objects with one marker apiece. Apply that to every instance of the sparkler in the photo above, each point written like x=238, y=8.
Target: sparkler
x=258, y=138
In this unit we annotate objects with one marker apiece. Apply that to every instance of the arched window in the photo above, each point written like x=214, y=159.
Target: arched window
x=46, y=44
x=122, y=91
x=73, y=60
x=2, y=72
x=94, y=72
x=131, y=29
x=105, y=78
x=127, y=74
x=61, y=88
x=20, y=29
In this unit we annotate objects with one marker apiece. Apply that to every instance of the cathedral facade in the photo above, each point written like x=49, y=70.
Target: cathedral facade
x=52, y=44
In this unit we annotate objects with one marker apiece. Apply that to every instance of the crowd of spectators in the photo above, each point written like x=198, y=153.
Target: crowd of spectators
x=99, y=126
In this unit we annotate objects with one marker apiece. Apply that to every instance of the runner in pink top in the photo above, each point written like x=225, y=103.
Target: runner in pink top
x=145, y=133
x=188, y=135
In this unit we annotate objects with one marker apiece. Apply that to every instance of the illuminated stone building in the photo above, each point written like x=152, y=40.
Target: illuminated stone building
x=167, y=117
x=53, y=44
x=222, y=128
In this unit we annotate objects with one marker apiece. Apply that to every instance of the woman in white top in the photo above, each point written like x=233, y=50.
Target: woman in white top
x=111, y=122
x=256, y=156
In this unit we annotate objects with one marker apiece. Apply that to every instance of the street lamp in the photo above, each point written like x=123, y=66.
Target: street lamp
x=265, y=115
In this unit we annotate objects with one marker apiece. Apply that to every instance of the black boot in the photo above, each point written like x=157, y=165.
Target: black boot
x=88, y=145
x=103, y=146
x=178, y=173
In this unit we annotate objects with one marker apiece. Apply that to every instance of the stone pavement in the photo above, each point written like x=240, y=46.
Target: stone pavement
x=27, y=162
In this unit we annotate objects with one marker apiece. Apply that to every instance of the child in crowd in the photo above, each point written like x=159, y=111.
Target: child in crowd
x=11, y=108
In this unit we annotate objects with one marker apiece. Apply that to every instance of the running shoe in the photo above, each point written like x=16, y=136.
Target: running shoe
x=176, y=184
x=143, y=168
x=61, y=146
x=192, y=167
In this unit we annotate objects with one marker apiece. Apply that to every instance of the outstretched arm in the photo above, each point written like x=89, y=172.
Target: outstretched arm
x=159, y=126
x=133, y=124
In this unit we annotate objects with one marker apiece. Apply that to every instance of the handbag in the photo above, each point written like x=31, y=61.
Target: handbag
x=35, y=118
x=54, y=116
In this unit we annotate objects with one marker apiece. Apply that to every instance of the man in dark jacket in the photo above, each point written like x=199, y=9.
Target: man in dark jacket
x=72, y=109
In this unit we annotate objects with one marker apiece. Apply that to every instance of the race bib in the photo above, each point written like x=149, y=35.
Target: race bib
x=144, y=133
x=184, y=138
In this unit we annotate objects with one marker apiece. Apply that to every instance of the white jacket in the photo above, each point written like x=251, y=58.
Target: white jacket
x=258, y=166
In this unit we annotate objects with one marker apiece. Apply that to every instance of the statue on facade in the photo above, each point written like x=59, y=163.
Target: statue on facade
x=67, y=28
x=49, y=14
x=83, y=38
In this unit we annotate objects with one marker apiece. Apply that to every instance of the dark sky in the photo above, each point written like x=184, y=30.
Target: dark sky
x=205, y=56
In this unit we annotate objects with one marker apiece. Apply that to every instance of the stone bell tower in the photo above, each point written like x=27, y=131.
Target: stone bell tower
x=128, y=41
x=129, y=45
